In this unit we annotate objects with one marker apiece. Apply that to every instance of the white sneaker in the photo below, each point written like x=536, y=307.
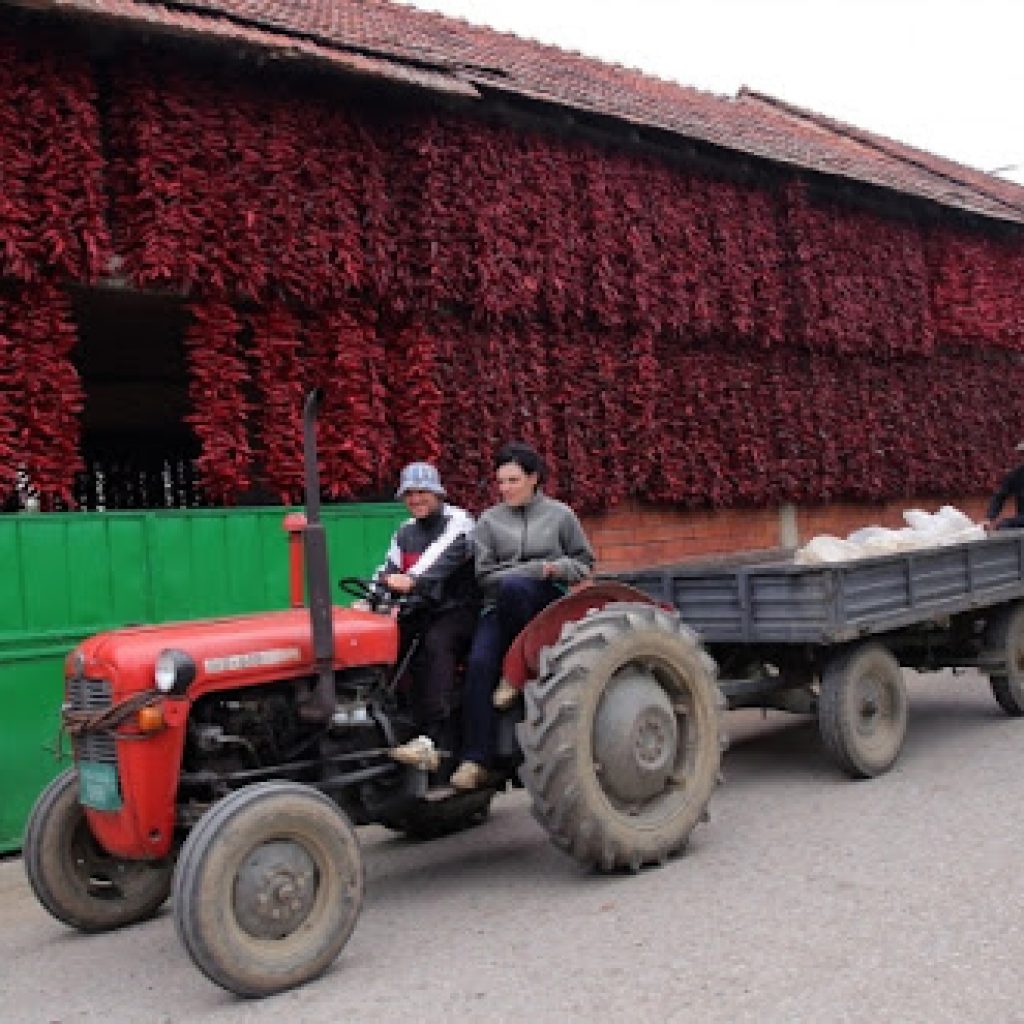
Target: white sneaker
x=470, y=775
x=418, y=753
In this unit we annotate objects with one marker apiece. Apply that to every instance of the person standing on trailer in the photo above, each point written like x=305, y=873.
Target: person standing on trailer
x=1011, y=487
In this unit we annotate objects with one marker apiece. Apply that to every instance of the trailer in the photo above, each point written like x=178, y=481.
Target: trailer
x=830, y=640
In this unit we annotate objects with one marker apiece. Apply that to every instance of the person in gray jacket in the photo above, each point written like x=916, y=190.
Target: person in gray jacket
x=529, y=549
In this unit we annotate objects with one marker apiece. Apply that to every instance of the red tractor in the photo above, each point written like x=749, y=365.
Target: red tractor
x=229, y=759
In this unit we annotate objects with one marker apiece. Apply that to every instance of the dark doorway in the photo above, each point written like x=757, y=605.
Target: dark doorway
x=138, y=449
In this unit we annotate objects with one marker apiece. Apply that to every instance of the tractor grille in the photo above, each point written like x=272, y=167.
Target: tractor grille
x=92, y=695
x=89, y=694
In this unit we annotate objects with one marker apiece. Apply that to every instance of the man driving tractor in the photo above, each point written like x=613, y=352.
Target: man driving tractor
x=429, y=566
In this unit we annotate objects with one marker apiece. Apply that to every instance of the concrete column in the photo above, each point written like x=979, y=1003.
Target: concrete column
x=789, y=534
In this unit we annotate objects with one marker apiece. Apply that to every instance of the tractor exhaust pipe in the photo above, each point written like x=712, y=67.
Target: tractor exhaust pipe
x=320, y=705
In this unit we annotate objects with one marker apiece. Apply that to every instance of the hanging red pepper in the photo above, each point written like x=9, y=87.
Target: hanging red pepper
x=52, y=199
x=41, y=394
x=356, y=442
x=278, y=380
x=657, y=331
x=221, y=412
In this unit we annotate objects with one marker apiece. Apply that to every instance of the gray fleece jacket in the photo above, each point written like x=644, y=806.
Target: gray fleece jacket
x=519, y=539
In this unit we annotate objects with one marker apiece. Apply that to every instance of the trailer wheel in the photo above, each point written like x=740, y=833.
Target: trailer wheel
x=268, y=888
x=1005, y=637
x=74, y=878
x=621, y=738
x=862, y=710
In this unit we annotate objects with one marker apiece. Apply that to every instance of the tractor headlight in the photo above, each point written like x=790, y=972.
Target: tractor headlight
x=174, y=671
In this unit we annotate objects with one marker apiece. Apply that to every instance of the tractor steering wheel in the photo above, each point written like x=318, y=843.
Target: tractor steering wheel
x=376, y=596
x=358, y=587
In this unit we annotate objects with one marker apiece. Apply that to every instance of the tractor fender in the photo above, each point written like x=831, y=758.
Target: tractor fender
x=523, y=657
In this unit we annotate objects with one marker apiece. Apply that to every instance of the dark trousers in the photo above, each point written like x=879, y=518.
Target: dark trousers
x=519, y=599
x=444, y=639
x=1012, y=523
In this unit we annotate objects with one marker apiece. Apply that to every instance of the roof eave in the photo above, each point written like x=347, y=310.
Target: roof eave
x=203, y=28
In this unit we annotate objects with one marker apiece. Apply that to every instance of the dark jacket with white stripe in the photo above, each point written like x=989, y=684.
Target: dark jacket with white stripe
x=437, y=552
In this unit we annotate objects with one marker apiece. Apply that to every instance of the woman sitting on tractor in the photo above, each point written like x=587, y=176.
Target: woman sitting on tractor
x=528, y=549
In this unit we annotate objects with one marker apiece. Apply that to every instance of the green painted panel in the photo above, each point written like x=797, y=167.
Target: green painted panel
x=131, y=596
x=170, y=561
x=377, y=536
x=346, y=549
x=210, y=566
x=97, y=569
x=257, y=577
x=12, y=610
x=89, y=571
x=44, y=572
x=72, y=574
x=31, y=690
x=359, y=543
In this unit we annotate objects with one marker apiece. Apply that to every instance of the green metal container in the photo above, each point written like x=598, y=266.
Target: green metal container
x=69, y=575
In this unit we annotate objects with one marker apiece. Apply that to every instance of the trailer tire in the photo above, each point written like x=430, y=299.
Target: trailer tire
x=74, y=878
x=862, y=710
x=268, y=888
x=1005, y=638
x=622, y=737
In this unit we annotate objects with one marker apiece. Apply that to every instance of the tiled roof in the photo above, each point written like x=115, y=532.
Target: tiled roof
x=419, y=48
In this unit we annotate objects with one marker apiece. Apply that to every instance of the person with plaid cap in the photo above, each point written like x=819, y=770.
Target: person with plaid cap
x=429, y=565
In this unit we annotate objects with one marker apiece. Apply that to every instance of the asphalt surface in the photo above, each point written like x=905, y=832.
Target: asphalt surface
x=808, y=897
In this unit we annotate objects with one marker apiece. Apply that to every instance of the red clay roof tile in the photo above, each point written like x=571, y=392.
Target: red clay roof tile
x=420, y=48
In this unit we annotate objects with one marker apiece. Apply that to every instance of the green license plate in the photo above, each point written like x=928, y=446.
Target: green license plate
x=97, y=786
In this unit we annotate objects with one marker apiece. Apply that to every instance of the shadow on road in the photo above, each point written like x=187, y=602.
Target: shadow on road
x=943, y=717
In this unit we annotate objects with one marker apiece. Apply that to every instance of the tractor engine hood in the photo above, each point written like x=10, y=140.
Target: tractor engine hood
x=234, y=651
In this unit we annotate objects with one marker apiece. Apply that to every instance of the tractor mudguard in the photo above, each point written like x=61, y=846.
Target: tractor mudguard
x=521, y=661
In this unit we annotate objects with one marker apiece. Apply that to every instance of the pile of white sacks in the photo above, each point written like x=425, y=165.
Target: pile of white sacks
x=923, y=530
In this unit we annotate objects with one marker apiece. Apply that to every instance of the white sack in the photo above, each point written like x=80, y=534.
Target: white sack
x=923, y=530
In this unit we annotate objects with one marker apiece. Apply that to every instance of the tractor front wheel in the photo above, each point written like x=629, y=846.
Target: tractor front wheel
x=74, y=878
x=268, y=888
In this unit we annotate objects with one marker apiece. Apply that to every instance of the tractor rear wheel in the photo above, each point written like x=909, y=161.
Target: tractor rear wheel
x=621, y=739
x=268, y=888
x=74, y=878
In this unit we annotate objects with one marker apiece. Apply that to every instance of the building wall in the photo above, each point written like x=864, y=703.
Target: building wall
x=635, y=535
x=665, y=328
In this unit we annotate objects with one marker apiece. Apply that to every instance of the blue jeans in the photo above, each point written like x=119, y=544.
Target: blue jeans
x=519, y=599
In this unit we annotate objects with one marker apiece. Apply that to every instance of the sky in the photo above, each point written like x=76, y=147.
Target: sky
x=944, y=75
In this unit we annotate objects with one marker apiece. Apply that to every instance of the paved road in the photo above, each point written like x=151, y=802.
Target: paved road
x=807, y=898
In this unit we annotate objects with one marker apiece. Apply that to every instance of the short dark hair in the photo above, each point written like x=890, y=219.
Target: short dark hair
x=523, y=455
